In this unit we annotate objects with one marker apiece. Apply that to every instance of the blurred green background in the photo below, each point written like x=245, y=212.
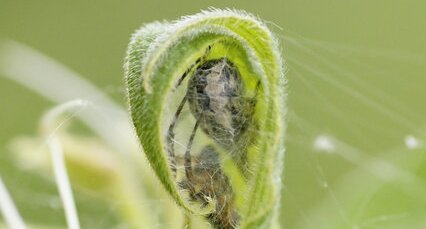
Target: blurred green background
x=356, y=82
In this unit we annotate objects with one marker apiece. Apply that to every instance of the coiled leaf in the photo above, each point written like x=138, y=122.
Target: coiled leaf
x=207, y=99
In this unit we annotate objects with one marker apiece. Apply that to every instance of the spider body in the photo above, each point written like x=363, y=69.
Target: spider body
x=216, y=99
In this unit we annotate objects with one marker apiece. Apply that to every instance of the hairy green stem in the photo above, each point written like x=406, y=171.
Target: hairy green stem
x=246, y=191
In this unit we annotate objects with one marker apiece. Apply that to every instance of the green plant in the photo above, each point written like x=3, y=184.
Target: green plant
x=243, y=141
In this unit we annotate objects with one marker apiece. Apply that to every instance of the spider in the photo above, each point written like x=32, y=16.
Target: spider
x=216, y=99
x=215, y=94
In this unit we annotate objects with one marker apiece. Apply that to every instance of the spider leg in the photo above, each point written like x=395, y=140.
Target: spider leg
x=171, y=136
x=187, y=163
x=253, y=100
x=257, y=89
x=198, y=61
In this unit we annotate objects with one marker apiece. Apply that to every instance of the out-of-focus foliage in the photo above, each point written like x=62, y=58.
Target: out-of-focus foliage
x=355, y=144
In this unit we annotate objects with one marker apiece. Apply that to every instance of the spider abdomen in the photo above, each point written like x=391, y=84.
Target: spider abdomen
x=216, y=98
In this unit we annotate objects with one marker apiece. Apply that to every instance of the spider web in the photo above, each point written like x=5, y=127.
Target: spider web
x=355, y=150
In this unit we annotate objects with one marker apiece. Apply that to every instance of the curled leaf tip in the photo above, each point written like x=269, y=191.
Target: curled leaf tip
x=207, y=99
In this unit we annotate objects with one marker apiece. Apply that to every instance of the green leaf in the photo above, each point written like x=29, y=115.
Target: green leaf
x=246, y=139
